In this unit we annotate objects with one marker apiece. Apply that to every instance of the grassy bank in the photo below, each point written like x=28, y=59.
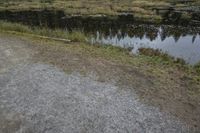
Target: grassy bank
x=141, y=9
x=56, y=33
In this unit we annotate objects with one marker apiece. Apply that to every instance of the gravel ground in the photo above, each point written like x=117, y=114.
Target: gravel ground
x=39, y=98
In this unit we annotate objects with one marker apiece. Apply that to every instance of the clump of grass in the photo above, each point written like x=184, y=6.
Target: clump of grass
x=153, y=52
x=160, y=55
x=77, y=36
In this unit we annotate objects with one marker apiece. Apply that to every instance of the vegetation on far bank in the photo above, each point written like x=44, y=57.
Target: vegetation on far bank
x=142, y=9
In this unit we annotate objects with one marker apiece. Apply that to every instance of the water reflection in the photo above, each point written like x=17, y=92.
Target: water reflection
x=179, y=42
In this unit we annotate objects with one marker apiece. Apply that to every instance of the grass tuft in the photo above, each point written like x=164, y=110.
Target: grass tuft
x=160, y=56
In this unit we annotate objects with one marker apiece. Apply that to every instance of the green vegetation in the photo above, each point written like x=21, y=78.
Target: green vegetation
x=165, y=59
x=73, y=36
x=142, y=9
x=157, y=54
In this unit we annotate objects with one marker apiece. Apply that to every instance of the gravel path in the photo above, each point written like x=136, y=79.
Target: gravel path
x=39, y=98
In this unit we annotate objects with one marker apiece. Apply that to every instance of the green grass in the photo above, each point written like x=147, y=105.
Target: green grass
x=164, y=57
x=57, y=33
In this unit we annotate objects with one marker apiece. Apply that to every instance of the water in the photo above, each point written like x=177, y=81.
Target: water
x=185, y=45
x=124, y=31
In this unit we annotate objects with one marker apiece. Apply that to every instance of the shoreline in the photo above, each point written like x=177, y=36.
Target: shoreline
x=78, y=36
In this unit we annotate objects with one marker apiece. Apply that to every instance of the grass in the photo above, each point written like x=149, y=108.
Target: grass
x=164, y=57
x=142, y=9
x=73, y=36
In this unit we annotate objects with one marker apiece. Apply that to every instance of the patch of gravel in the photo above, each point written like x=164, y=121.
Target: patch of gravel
x=38, y=98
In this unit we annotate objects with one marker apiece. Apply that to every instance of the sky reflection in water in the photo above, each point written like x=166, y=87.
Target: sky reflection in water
x=185, y=45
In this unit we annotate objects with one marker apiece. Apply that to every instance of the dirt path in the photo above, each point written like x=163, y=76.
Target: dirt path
x=40, y=98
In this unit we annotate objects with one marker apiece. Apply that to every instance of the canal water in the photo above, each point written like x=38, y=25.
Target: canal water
x=124, y=31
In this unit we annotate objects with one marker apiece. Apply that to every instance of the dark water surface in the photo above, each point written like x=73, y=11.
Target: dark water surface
x=124, y=31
